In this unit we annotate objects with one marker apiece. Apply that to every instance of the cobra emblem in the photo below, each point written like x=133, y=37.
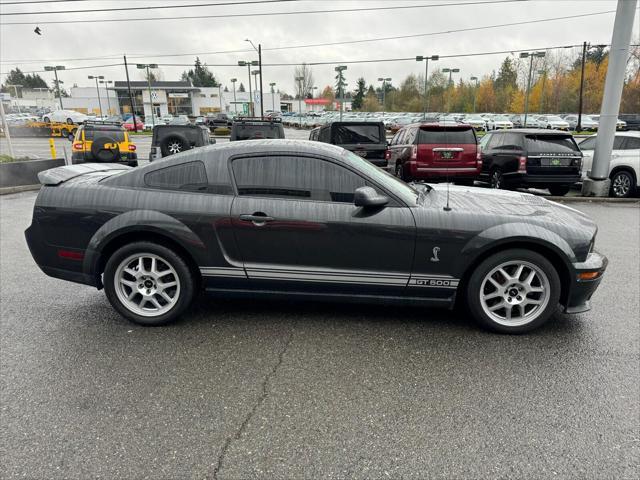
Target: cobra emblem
x=435, y=254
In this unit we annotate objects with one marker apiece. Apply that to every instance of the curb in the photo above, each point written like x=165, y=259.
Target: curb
x=18, y=189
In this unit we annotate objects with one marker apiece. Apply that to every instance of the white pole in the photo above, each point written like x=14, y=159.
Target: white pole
x=6, y=129
x=598, y=182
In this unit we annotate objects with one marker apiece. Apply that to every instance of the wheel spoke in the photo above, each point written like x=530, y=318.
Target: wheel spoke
x=491, y=295
x=497, y=306
x=153, y=265
x=507, y=311
x=130, y=271
x=140, y=264
x=166, y=296
x=128, y=283
x=518, y=272
x=530, y=277
x=495, y=283
x=132, y=294
x=155, y=302
x=164, y=286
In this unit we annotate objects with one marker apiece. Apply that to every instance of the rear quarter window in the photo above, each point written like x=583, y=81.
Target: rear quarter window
x=357, y=134
x=446, y=135
x=190, y=177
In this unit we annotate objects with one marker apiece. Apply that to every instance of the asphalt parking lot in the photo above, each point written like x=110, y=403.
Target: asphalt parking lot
x=285, y=390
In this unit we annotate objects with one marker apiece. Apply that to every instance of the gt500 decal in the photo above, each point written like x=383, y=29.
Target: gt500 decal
x=433, y=282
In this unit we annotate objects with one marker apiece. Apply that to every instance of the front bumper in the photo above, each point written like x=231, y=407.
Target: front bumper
x=580, y=291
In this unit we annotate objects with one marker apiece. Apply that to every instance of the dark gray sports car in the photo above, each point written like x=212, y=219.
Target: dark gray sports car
x=297, y=219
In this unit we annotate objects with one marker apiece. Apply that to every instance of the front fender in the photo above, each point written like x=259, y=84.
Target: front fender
x=508, y=233
x=149, y=221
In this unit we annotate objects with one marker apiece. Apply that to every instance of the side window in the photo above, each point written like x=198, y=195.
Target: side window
x=632, y=143
x=78, y=136
x=588, y=144
x=324, y=134
x=618, y=143
x=295, y=178
x=486, y=140
x=394, y=140
x=189, y=177
x=410, y=136
x=511, y=141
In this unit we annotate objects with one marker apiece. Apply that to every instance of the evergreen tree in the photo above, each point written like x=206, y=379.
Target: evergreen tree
x=200, y=75
x=360, y=92
x=241, y=87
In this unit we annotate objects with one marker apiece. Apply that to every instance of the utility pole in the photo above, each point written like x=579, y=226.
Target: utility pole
x=260, y=69
x=340, y=78
x=133, y=110
x=300, y=80
x=450, y=71
x=598, y=182
x=91, y=77
x=475, y=93
x=384, y=91
x=584, y=54
x=6, y=129
x=235, y=104
x=55, y=72
x=529, y=55
x=106, y=88
x=148, y=66
x=420, y=58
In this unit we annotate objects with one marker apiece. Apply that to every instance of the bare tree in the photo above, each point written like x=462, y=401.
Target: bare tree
x=304, y=88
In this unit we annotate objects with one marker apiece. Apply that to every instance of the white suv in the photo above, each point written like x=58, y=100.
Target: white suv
x=624, y=169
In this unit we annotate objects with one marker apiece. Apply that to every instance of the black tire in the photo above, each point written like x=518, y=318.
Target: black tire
x=64, y=133
x=623, y=184
x=475, y=290
x=169, y=257
x=173, y=144
x=496, y=179
x=559, y=190
x=100, y=153
x=69, y=121
x=46, y=119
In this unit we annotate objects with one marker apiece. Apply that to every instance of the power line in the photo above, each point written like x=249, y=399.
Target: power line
x=263, y=14
x=41, y=1
x=148, y=7
x=344, y=42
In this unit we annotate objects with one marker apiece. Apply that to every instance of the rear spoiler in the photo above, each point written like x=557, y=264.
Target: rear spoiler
x=56, y=176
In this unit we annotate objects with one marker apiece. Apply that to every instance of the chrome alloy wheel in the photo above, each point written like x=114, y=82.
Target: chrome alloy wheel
x=174, y=147
x=621, y=185
x=147, y=284
x=514, y=293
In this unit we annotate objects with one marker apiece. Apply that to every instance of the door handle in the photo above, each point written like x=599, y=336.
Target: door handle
x=258, y=218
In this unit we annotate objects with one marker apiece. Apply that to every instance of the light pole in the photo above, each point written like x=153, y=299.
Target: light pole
x=475, y=93
x=248, y=64
x=55, y=72
x=15, y=89
x=220, y=95
x=273, y=97
x=384, y=90
x=300, y=80
x=529, y=55
x=544, y=82
x=313, y=95
x=235, y=104
x=96, y=77
x=450, y=71
x=259, y=50
x=147, y=66
x=341, y=84
x=255, y=74
x=106, y=88
x=420, y=58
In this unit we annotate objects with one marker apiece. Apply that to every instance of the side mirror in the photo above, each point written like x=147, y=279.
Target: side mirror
x=368, y=197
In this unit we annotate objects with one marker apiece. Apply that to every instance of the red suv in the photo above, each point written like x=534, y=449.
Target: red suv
x=436, y=152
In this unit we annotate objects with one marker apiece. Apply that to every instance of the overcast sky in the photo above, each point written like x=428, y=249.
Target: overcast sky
x=73, y=44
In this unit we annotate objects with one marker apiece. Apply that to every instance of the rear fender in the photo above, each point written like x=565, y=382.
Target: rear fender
x=142, y=221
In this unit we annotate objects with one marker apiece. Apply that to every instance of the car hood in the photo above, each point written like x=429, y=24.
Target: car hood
x=514, y=207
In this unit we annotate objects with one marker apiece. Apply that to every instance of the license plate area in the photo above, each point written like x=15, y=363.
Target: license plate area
x=446, y=155
x=555, y=162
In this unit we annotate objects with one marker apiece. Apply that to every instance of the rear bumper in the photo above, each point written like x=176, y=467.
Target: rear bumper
x=435, y=173
x=87, y=157
x=533, y=180
x=581, y=291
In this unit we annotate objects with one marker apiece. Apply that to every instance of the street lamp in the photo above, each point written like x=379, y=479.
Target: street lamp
x=450, y=71
x=529, y=55
x=341, y=84
x=255, y=74
x=273, y=97
x=106, y=88
x=55, y=72
x=475, y=94
x=147, y=66
x=384, y=90
x=96, y=77
x=15, y=88
x=313, y=95
x=300, y=80
x=248, y=64
x=544, y=82
x=420, y=58
x=235, y=104
x=259, y=50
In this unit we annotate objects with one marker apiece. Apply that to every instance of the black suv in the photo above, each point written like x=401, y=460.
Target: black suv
x=250, y=128
x=170, y=139
x=632, y=119
x=218, y=120
x=531, y=158
x=366, y=139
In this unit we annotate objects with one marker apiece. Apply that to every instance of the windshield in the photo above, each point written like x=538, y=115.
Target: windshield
x=439, y=135
x=386, y=180
x=553, y=118
x=501, y=118
x=252, y=132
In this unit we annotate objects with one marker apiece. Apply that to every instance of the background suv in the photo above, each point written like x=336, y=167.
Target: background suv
x=433, y=151
x=171, y=139
x=366, y=139
x=531, y=158
x=103, y=142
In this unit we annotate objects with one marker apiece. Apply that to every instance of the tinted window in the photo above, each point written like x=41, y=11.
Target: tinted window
x=510, y=141
x=92, y=134
x=588, y=144
x=618, y=143
x=347, y=134
x=295, y=177
x=251, y=132
x=446, y=135
x=484, y=143
x=632, y=143
x=323, y=136
x=189, y=176
x=550, y=144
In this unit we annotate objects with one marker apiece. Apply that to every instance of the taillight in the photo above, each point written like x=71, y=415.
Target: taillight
x=77, y=146
x=522, y=165
x=414, y=152
x=132, y=148
x=479, y=157
x=387, y=154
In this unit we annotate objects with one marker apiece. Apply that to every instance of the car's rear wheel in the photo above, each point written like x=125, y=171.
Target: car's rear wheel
x=148, y=284
x=622, y=184
x=401, y=174
x=173, y=144
x=514, y=291
x=46, y=119
x=497, y=179
x=69, y=121
x=559, y=190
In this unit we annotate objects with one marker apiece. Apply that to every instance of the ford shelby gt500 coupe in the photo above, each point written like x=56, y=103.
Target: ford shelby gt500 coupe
x=301, y=219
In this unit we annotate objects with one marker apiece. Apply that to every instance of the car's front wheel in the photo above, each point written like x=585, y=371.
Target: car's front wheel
x=513, y=291
x=622, y=184
x=148, y=284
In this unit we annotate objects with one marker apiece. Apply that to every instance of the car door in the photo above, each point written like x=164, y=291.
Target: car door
x=297, y=228
x=485, y=153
